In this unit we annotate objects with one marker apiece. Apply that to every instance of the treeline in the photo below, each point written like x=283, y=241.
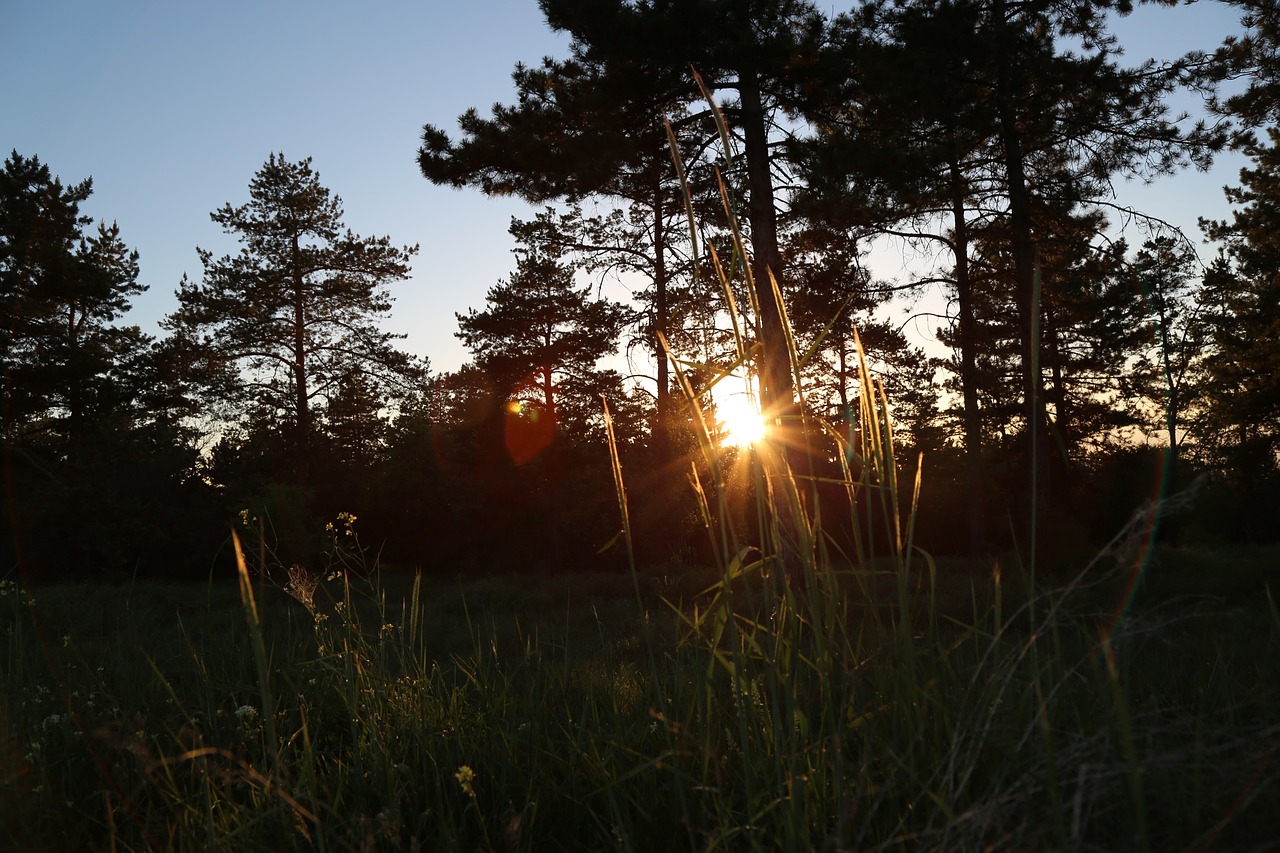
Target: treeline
x=1084, y=374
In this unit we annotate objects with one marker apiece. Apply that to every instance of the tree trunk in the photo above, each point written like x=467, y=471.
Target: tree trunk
x=662, y=431
x=1027, y=300
x=1173, y=396
x=777, y=390
x=1058, y=457
x=968, y=336
x=548, y=393
x=301, y=440
x=75, y=394
x=552, y=471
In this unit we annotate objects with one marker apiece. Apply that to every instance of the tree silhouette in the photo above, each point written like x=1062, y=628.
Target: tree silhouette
x=992, y=115
x=1245, y=293
x=62, y=289
x=296, y=311
x=538, y=341
x=1169, y=375
x=540, y=338
x=895, y=152
x=635, y=59
x=97, y=475
x=592, y=126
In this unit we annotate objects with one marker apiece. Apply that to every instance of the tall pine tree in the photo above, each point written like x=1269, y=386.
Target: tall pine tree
x=541, y=333
x=63, y=287
x=1245, y=291
x=298, y=308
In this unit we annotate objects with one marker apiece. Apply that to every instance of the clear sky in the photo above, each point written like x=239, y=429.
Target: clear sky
x=171, y=107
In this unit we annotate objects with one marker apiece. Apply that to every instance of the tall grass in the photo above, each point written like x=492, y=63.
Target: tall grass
x=617, y=713
x=825, y=685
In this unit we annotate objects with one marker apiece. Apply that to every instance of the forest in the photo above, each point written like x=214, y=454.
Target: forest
x=697, y=151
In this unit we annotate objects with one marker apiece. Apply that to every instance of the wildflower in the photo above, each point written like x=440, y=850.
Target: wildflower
x=346, y=519
x=465, y=777
x=8, y=587
x=246, y=713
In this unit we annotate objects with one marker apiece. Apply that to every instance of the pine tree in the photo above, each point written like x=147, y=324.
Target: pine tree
x=983, y=111
x=63, y=288
x=1245, y=287
x=297, y=309
x=1253, y=56
x=1067, y=121
x=1168, y=376
x=538, y=341
x=355, y=422
x=630, y=65
x=592, y=126
x=898, y=153
x=541, y=335
x=96, y=477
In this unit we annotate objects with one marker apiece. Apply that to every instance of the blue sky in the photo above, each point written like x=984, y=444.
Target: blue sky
x=172, y=106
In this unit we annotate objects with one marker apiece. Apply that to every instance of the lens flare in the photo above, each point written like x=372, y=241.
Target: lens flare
x=740, y=421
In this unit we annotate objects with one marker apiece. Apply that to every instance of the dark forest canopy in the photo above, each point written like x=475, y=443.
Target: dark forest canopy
x=1075, y=368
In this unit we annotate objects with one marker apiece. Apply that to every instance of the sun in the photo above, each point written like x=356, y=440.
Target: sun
x=741, y=423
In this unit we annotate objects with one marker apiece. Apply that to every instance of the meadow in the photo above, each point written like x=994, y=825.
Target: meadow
x=610, y=712
x=800, y=691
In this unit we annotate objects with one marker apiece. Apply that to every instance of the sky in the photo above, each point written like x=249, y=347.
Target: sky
x=171, y=107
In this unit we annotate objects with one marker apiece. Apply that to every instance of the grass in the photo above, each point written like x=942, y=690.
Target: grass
x=800, y=694
x=575, y=719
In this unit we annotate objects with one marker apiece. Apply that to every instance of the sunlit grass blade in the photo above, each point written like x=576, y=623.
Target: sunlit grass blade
x=261, y=661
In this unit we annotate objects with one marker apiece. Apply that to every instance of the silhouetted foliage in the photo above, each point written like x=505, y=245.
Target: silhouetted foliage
x=295, y=313
x=984, y=133
x=97, y=477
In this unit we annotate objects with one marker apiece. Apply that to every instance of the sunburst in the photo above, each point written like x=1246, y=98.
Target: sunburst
x=740, y=421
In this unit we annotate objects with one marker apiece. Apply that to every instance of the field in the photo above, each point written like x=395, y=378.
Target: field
x=637, y=712
x=804, y=691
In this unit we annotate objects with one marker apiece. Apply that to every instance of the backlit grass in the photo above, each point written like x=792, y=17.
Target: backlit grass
x=600, y=722
x=806, y=692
